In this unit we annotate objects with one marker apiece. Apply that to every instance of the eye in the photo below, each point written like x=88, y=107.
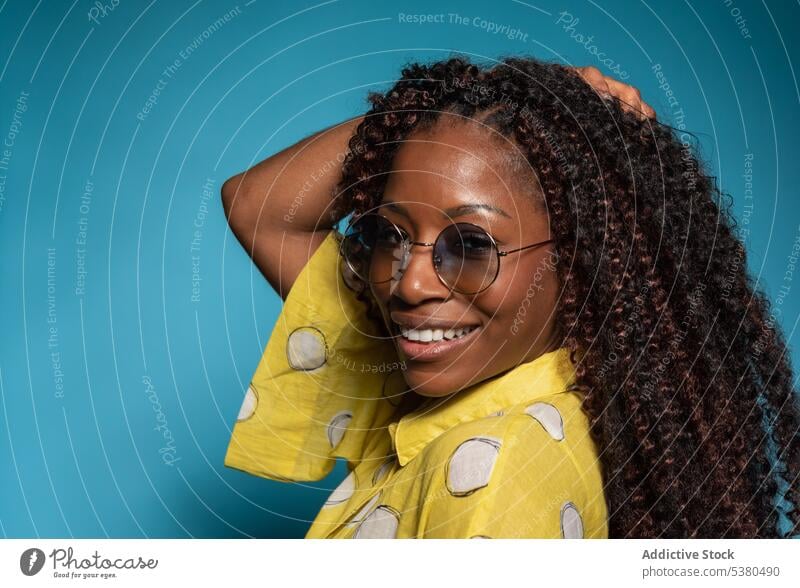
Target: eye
x=387, y=235
x=473, y=243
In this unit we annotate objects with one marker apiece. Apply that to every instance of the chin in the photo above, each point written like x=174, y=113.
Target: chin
x=433, y=384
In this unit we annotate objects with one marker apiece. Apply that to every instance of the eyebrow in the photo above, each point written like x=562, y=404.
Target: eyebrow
x=455, y=211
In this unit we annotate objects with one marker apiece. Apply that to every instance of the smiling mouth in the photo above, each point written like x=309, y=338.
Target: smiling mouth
x=435, y=344
x=433, y=335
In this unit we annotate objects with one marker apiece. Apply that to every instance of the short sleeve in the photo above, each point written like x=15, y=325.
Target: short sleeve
x=495, y=479
x=326, y=382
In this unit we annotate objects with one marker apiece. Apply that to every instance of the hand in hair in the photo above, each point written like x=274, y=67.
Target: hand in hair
x=629, y=97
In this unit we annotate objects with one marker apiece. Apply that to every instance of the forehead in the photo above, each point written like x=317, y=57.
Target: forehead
x=462, y=162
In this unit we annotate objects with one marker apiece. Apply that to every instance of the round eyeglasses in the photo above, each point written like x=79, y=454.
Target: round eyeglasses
x=466, y=258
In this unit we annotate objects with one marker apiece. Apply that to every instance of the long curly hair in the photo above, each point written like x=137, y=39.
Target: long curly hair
x=684, y=373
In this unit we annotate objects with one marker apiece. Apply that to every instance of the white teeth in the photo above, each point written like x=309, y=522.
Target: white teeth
x=428, y=335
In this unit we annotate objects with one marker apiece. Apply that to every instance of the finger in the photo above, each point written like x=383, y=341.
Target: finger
x=638, y=108
x=595, y=78
x=630, y=99
x=626, y=93
x=644, y=111
x=602, y=88
x=649, y=111
x=589, y=72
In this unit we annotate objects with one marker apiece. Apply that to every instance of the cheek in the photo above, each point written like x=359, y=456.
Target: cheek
x=525, y=306
x=380, y=295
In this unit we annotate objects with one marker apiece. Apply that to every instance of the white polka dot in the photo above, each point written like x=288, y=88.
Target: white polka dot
x=471, y=464
x=480, y=537
x=338, y=426
x=381, y=523
x=571, y=523
x=305, y=349
x=383, y=470
x=549, y=417
x=498, y=413
x=343, y=491
x=364, y=510
x=249, y=405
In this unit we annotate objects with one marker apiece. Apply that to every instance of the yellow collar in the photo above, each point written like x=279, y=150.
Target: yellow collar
x=550, y=373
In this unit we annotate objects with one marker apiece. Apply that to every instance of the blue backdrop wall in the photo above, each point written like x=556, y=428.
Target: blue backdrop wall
x=132, y=319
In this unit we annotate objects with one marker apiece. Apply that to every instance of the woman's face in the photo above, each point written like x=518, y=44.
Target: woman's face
x=460, y=172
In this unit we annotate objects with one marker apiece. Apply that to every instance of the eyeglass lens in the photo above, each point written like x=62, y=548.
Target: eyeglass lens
x=464, y=255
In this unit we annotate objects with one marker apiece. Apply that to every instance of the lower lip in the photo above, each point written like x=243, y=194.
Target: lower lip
x=433, y=351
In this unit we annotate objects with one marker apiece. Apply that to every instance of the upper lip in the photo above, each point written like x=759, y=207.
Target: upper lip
x=417, y=322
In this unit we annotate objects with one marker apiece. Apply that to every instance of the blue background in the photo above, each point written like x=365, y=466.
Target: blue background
x=83, y=460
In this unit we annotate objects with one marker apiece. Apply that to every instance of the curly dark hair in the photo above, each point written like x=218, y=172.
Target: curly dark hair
x=684, y=371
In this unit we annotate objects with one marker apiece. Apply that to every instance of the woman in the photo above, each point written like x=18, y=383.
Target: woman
x=559, y=335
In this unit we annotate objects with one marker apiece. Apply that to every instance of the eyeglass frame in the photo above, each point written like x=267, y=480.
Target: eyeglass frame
x=410, y=243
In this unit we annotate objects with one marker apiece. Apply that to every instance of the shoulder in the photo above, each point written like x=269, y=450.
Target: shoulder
x=504, y=444
x=541, y=428
x=542, y=447
x=517, y=474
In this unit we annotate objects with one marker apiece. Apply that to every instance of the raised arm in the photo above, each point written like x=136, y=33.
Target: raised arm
x=279, y=209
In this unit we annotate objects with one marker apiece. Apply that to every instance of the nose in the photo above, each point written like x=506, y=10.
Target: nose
x=418, y=280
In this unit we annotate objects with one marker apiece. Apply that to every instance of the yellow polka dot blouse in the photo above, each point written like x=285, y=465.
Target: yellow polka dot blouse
x=508, y=457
